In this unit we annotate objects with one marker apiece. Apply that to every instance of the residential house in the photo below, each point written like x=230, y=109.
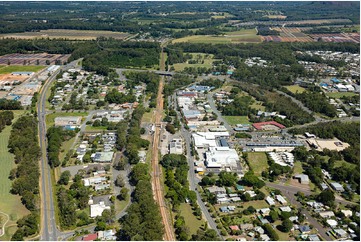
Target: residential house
x=327, y=214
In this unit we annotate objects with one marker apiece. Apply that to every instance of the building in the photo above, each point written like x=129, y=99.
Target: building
x=304, y=229
x=283, y=158
x=337, y=186
x=302, y=178
x=270, y=201
x=175, y=147
x=217, y=157
x=281, y=199
x=91, y=181
x=347, y=213
x=286, y=209
x=340, y=233
x=102, y=157
x=90, y=237
x=270, y=125
x=217, y=190
x=332, y=223
x=108, y=235
x=97, y=209
x=22, y=73
x=207, y=139
x=70, y=120
x=327, y=214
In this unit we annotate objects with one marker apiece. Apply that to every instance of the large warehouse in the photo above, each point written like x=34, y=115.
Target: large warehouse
x=221, y=157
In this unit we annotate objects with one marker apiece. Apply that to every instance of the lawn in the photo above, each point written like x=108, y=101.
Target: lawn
x=297, y=169
x=51, y=117
x=257, y=204
x=9, y=204
x=92, y=128
x=191, y=221
x=257, y=162
x=295, y=89
x=148, y=116
x=258, y=106
x=233, y=120
x=341, y=94
x=9, y=69
x=65, y=147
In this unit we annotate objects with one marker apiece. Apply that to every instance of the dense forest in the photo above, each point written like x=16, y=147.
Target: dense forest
x=6, y=118
x=178, y=190
x=143, y=220
x=56, y=136
x=23, y=143
x=10, y=105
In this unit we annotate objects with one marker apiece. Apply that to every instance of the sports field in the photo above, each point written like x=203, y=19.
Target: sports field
x=9, y=204
x=295, y=89
x=233, y=120
x=258, y=162
x=9, y=69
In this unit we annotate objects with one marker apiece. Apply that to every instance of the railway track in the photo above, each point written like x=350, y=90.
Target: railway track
x=156, y=182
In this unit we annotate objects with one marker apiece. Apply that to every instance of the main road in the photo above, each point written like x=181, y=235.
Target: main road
x=49, y=231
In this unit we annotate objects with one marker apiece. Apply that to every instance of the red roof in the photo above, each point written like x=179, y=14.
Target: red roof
x=259, y=125
x=234, y=227
x=90, y=237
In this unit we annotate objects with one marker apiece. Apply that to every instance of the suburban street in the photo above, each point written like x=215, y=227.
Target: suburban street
x=289, y=193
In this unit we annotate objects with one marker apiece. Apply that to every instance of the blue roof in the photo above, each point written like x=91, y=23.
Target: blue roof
x=229, y=72
x=223, y=143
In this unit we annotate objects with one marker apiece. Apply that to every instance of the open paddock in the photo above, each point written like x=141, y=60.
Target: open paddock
x=240, y=36
x=295, y=89
x=67, y=34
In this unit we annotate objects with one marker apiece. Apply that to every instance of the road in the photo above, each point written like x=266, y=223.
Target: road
x=156, y=171
x=289, y=192
x=193, y=181
x=219, y=114
x=49, y=230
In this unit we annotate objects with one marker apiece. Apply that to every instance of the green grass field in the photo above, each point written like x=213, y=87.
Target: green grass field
x=297, y=169
x=295, y=89
x=65, y=147
x=191, y=221
x=341, y=94
x=148, y=117
x=92, y=128
x=258, y=162
x=258, y=106
x=51, y=117
x=9, y=69
x=233, y=120
x=342, y=163
x=9, y=204
x=206, y=59
x=257, y=204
